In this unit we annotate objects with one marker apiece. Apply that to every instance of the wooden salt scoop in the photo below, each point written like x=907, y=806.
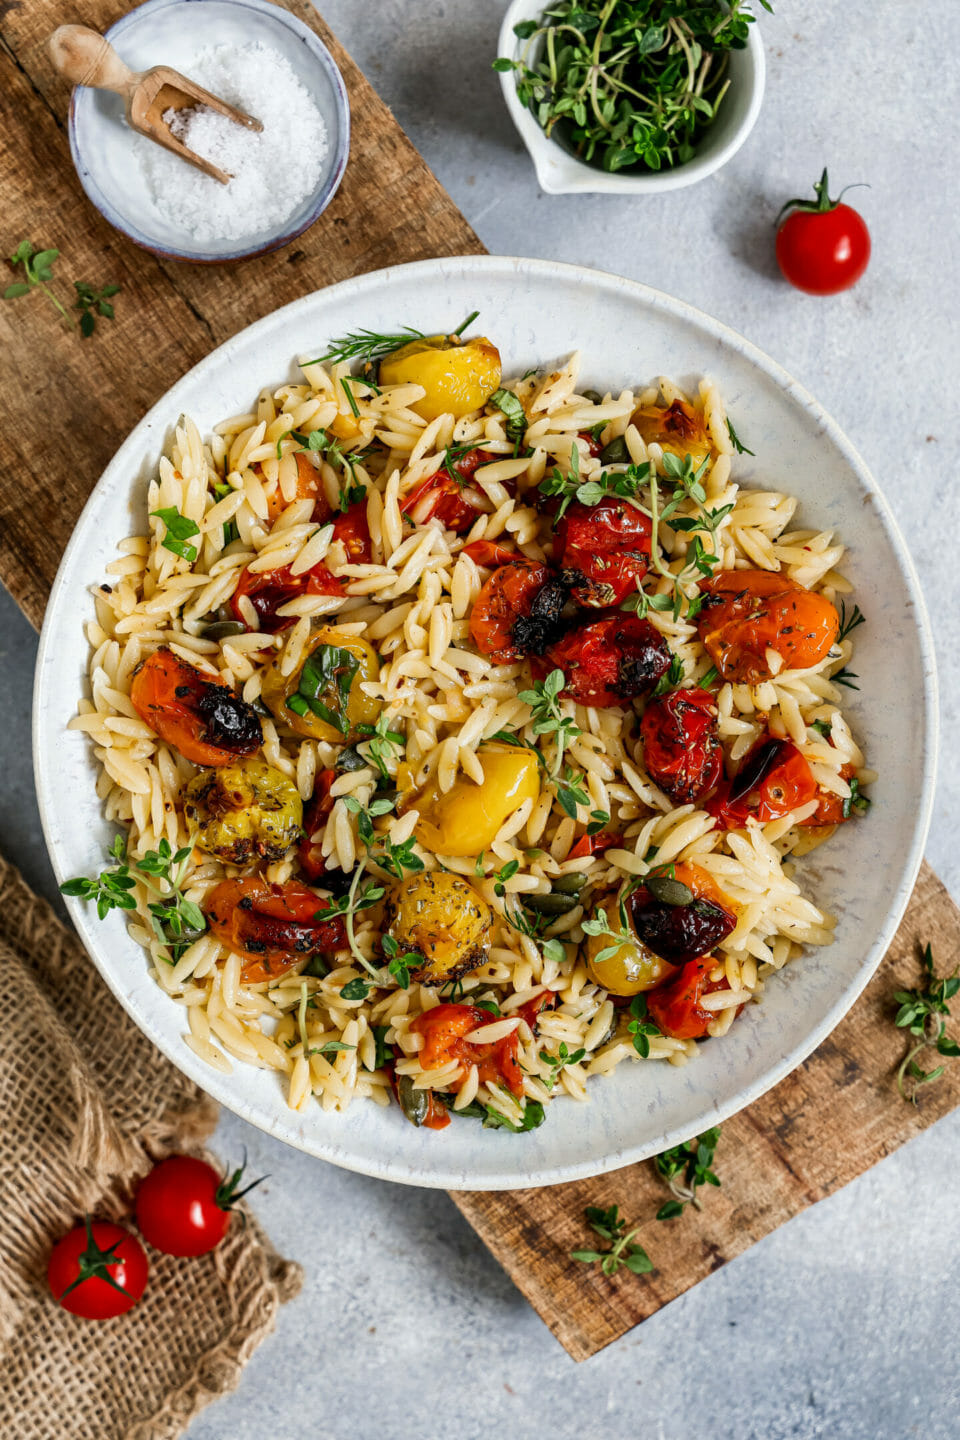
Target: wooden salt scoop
x=84, y=57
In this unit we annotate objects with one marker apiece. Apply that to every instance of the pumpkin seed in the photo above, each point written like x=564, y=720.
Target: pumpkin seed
x=667, y=891
x=615, y=452
x=551, y=904
x=413, y=1103
x=571, y=883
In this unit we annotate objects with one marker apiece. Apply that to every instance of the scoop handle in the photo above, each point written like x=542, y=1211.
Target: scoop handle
x=84, y=57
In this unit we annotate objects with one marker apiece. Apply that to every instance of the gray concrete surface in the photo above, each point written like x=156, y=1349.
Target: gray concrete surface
x=841, y=1325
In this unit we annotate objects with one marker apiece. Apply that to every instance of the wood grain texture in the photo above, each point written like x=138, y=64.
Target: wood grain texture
x=833, y=1118
x=70, y=402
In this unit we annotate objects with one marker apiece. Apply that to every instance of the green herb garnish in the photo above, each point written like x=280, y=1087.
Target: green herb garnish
x=91, y=303
x=176, y=921
x=328, y=671
x=735, y=440
x=921, y=1013
x=533, y=1116
x=513, y=411
x=685, y=1168
x=609, y=1226
x=178, y=531
x=560, y=1061
x=37, y=270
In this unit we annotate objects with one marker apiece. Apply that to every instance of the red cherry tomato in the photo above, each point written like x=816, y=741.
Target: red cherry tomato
x=832, y=809
x=747, y=612
x=607, y=661
x=681, y=745
x=97, y=1270
x=197, y=714
x=443, y=1029
x=268, y=590
x=517, y=609
x=352, y=529
x=604, y=550
x=184, y=1206
x=531, y=1010
x=315, y=813
x=675, y=1007
x=773, y=779
x=593, y=845
x=272, y=926
x=490, y=554
x=449, y=495
x=823, y=246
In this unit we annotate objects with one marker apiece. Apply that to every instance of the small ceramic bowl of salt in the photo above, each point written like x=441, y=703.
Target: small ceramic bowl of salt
x=264, y=61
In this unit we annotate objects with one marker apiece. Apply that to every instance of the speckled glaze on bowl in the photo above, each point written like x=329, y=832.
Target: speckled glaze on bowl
x=561, y=173
x=171, y=32
x=537, y=311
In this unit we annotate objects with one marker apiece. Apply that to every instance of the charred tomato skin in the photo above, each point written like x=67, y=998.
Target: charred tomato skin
x=607, y=661
x=517, y=611
x=201, y=717
x=681, y=744
x=679, y=933
x=604, y=550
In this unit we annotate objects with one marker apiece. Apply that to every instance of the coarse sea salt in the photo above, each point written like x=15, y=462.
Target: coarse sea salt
x=274, y=170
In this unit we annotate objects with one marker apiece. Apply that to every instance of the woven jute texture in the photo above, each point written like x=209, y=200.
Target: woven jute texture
x=86, y=1105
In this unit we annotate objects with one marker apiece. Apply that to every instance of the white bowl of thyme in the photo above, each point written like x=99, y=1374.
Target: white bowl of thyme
x=630, y=96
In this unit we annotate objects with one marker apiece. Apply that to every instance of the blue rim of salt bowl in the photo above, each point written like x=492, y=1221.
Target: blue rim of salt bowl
x=317, y=48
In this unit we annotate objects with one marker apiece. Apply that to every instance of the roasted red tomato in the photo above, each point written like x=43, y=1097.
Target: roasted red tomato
x=443, y=1029
x=184, y=1206
x=679, y=933
x=315, y=813
x=449, y=495
x=272, y=926
x=517, y=612
x=201, y=717
x=604, y=550
x=97, y=1270
x=532, y=1010
x=832, y=809
x=352, y=529
x=681, y=746
x=592, y=443
x=268, y=590
x=747, y=612
x=607, y=661
x=675, y=1007
x=593, y=845
x=773, y=779
x=490, y=554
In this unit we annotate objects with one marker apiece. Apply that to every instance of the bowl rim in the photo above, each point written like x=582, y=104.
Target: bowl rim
x=101, y=201
x=406, y=1171
x=573, y=176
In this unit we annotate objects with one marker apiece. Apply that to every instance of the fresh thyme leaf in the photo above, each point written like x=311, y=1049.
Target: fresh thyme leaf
x=37, y=270
x=671, y=678
x=560, y=1061
x=91, y=303
x=845, y=677
x=920, y=1013
x=533, y=1116
x=384, y=1052
x=546, y=717
x=382, y=745
x=609, y=1226
x=735, y=440
x=178, y=531
x=685, y=1168
x=356, y=989
x=640, y=1026
x=628, y=86
x=176, y=921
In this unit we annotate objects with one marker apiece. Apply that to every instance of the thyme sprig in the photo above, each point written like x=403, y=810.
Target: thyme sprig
x=685, y=1168
x=176, y=921
x=921, y=1013
x=622, y=1251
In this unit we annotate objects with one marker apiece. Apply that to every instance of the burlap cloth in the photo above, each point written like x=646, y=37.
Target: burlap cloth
x=86, y=1103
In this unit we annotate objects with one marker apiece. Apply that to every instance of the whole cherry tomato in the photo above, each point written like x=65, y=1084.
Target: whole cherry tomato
x=443, y=1029
x=747, y=612
x=773, y=779
x=449, y=495
x=315, y=813
x=97, y=1270
x=607, y=661
x=197, y=714
x=517, y=611
x=681, y=745
x=604, y=550
x=823, y=246
x=184, y=1206
x=268, y=590
x=272, y=926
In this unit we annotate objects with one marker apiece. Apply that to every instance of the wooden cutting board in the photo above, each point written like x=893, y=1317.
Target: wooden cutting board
x=67, y=405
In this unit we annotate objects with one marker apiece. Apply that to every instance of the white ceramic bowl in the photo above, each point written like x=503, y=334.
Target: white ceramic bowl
x=561, y=173
x=172, y=32
x=537, y=311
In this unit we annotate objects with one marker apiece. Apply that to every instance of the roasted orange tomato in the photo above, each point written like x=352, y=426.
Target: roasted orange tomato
x=675, y=1007
x=773, y=779
x=199, y=716
x=747, y=612
x=309, y=487
x=490, y=554
x=681, y=745
x=517, y=611
x=608, y=661
x=593, y=845
x=604, y=550
x=272, y=926
x=443, y=1029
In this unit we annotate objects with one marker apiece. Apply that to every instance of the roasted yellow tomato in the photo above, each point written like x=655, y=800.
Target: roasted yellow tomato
x=322, y=697
x=466, y=819
x=631, y=968
x=676, y=427
x=243, y=812
x=458, y=378
x=443, y=918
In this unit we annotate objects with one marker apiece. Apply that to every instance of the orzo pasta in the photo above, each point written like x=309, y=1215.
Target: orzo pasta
x=463, y=734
